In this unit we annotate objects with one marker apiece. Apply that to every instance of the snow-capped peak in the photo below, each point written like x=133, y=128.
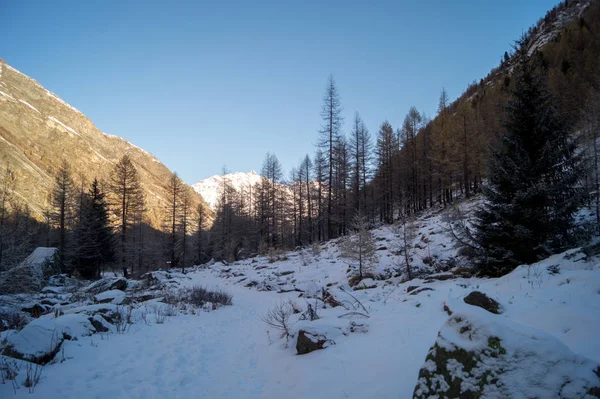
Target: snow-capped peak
x=209, y=188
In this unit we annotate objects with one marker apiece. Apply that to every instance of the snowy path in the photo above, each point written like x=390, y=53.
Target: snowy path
x=208, y=355
x=226, y=354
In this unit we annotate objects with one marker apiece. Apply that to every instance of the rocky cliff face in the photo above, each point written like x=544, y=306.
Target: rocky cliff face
x=38, y=130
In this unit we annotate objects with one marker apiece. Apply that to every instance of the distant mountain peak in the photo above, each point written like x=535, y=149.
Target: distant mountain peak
x=209, y=188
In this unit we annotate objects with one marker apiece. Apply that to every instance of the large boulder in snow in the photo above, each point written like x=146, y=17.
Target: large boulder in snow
x=38, y=342
x=478, y=355
x=41, y=339
x=31, y=274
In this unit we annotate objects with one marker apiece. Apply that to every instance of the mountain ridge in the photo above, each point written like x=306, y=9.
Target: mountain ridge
x=209, y=188
x=38, y=129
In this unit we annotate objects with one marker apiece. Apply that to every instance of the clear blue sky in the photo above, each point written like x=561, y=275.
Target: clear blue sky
x=201, y=84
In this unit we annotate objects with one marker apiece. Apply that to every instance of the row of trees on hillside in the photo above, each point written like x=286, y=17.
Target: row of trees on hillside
x=399, y=172
x=522, y=156
x=100, y=224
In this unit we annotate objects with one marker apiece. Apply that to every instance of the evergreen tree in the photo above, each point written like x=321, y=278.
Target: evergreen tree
x=173, y=213
x=305, y=177
x=272, y=174
x=408, y=140
x=341, y=179
x=387, y=147
x=201, y=246
x=94, y=234
x=532, y=190
x=360, y=148
x=63, y=204
x=320, y=166
x=184, y=223
x=128, y=199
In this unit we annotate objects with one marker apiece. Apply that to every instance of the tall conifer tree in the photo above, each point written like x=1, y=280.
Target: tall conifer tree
x=532, y=190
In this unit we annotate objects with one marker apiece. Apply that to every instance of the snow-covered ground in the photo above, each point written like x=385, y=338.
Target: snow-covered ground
x=232, y=353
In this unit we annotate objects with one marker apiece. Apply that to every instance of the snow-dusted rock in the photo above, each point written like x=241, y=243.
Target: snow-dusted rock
x=477, y=354
x=108, y=311
x=31, y=274
x=74, y=325
x=113, y=296
x=318, y=334
x=163, y=279
x=311, y=341
x=365, y=284
x=41, y=339
x=441, y=276
x=100, y=324
x=481, y=300
x=106, y=284
x=38, y=342
x=35, y=309
x=62, y=283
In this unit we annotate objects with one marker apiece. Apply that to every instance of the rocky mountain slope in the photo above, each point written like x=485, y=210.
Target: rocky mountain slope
x=38, y=130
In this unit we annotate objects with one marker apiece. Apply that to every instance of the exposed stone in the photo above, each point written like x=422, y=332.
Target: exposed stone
x=35, y=310
x=464, y=272
x=98, y=324
x=330, y=300
x=477, y=298
x=119, y=284
x=144, y=297
x=441, y=276
x=308, y=342
x=365, y=283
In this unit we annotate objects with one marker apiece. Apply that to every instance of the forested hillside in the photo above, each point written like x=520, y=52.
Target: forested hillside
x=63, y=182
x=389, y=173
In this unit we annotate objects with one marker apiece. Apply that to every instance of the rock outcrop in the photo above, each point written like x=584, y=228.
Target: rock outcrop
x=478, y=355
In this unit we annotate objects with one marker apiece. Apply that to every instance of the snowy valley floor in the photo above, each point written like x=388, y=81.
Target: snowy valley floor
x=231, y=353
x=227, y=353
